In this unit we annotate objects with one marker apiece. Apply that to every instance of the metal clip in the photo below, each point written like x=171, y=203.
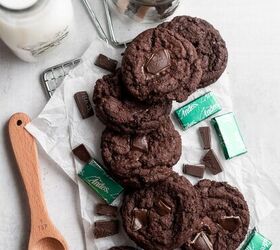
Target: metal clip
x=111, y=39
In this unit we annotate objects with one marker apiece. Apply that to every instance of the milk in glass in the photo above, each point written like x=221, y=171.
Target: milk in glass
x=31, y=28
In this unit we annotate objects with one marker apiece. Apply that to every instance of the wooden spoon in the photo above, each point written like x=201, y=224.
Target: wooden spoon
x=43, y=235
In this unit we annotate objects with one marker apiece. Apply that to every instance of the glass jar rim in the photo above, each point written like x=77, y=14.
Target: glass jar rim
x=22, y=10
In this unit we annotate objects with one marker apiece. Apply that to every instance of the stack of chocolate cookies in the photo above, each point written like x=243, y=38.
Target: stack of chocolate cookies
x=162, y=210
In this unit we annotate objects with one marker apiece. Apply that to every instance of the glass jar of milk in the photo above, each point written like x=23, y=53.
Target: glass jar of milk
x=31, y=28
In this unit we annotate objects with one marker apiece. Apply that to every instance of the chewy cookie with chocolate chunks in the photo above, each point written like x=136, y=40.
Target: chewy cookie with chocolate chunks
x=225, y=215
x=210, y=46
x=117, y=110
x=163, y=216
x=161, y=65
x=142, y=159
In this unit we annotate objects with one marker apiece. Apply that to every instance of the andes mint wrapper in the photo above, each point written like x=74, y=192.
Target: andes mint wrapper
x=256, y=241
x=229, y=135
x=98, y=180
x=197, y=110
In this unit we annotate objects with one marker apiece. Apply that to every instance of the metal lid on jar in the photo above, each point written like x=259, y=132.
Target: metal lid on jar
x=17, y=5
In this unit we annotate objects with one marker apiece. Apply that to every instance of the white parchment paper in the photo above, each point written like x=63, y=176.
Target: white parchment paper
x=59, y=128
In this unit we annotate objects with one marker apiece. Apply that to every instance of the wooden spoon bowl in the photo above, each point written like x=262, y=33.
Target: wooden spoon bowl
x=48, y=243
x=43, y=235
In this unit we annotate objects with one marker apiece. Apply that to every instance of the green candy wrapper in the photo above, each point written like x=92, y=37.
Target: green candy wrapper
x=197, y=110
x=229, y=135
x=98, y=180
x=256, y=241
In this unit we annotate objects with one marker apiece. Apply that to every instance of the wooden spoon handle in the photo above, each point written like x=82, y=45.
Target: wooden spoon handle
x=25, y=150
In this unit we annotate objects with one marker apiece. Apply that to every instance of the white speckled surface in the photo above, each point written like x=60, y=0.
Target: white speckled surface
x=251, y=30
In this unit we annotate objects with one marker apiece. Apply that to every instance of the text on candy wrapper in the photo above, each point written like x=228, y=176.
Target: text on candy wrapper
x=97, y=182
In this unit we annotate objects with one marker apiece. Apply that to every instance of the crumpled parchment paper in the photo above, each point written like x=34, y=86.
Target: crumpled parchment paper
x=59, y=128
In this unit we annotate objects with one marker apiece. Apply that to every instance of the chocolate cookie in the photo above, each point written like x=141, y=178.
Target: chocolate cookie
x=161, y=65
x=117, y=110
x=161, y=217
x=210, y=46
x=224, y=218
x=142, y=159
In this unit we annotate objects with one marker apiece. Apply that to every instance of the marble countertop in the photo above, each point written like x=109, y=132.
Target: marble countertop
x=251, y=29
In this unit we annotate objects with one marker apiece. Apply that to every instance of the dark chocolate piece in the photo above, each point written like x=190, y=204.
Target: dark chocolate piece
x=107, y=63
x=158, y=62
x=202, y=242
x=212, y=163
x=104, y=209
x=205, y=136
x=82, y=153
x=105, y=228
x=162, y=208
x=194, y=170
x=208, y=225
x=140, y=142
x=140, y=218
x=230, y=223
x=84, y=105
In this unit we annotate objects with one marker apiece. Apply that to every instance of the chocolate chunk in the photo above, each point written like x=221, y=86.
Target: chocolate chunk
x=107, y=63
x=212, y=163
x=140, y=142
x=104, y=209
x=194, y=170
x=202, y=242
x=162, y=208
x=158, y=62
x=140, y=218
x=84, y=105
x=82, y=153
x=230, y=223
x=105, y=228
x=205, y=136
x=208, y=225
